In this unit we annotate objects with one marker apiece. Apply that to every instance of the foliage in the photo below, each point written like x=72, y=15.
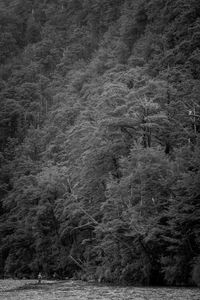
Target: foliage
x=99, y=140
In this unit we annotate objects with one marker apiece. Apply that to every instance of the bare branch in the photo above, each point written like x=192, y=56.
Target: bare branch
x=82, y=226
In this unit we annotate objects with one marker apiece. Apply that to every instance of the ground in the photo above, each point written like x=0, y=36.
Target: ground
x=77, y=290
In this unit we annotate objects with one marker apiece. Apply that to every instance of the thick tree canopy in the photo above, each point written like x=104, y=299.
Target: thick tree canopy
x=99, y=140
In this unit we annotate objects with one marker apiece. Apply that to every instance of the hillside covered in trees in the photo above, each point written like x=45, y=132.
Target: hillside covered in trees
x=100, y=140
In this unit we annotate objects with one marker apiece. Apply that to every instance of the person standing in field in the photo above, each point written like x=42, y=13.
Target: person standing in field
x=39, y=277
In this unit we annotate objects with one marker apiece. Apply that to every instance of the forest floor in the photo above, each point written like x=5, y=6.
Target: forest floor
x=77, y=290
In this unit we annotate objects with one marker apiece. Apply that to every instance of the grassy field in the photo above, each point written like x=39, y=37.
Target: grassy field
x=76, y=290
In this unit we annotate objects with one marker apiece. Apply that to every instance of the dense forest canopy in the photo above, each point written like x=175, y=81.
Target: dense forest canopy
x=99, y=140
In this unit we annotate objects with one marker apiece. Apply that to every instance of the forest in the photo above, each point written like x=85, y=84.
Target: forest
x=100, y=140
